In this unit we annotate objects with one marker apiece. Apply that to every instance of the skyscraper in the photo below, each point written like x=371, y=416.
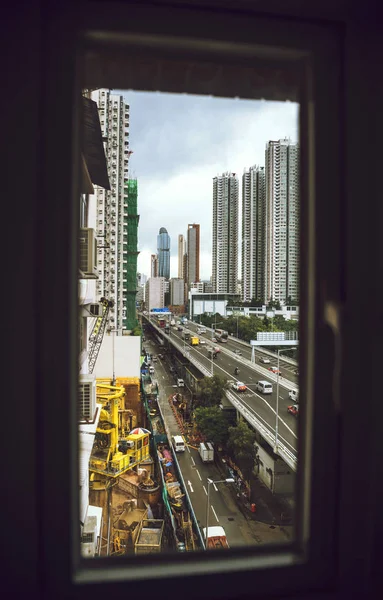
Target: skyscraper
x=193, y=253
x=282, y=220
x=253, y=233
x=112, y=216
x=163, y=251
x=225, y=233
x=181, y=254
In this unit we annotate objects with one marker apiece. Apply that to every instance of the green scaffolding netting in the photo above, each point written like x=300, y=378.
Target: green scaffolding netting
x=130, y=283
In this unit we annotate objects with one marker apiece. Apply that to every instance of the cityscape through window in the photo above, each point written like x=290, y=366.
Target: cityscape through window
x=189, y=302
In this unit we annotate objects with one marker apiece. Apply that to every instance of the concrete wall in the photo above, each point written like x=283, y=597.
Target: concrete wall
x=275, y=473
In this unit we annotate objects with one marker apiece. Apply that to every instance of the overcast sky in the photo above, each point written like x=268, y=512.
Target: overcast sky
x=179, y=143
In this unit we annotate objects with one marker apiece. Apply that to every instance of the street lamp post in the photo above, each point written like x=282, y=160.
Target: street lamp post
x=209, y=482
x=277, y=406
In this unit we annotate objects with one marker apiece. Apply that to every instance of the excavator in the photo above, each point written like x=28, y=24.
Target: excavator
x=115, y=451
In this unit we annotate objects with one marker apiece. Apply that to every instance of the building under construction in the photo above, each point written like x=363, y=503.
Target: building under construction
x=131, y=225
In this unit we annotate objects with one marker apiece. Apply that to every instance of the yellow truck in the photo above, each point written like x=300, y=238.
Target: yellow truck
x=194, y=340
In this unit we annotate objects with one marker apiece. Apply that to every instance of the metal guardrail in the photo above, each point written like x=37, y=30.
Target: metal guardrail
x=280, y=449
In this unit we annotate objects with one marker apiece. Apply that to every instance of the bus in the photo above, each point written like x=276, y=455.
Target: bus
x=221, y=335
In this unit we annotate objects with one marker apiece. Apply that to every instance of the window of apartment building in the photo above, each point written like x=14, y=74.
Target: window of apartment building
x=307, y=559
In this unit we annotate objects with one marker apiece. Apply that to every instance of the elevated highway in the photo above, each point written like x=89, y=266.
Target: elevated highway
x=259, y=410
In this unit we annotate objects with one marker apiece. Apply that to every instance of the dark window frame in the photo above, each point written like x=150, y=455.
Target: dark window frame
x=306, y=560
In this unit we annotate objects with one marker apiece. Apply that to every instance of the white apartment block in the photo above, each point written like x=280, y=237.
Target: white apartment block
x=282, y=220
x=111, y=206
x=155, y=293
x=181, y=254
x=253, y=233
x=225, y=233
x=177, y=291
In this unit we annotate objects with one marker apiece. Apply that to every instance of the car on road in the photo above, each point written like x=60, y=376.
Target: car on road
x=264, y=386
x=214, y=340
x=172, y=369
x=179, y=328
x=202, y=341
x=239, y=386
x=293, y=409
x=275, y=370
x=264, y=360
x=294, y=396
x=238, y=352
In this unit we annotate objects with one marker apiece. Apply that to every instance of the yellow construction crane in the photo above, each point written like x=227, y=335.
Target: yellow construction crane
x=97, y=333
x=114, y=452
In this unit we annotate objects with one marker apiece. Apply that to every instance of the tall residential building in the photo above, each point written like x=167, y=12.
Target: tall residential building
x=225, y=233
x=177, y=291
x=163, y=251
x=112, y=207
x=154, y=265
x=155, y=293
x=193, y=253
x=181, y=254
x=253, y=233
x=282, y=220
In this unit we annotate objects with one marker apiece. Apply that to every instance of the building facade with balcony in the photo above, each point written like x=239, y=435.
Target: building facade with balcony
x=111, y=222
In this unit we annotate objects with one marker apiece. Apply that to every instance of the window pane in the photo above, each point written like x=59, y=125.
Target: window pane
x=188, y=390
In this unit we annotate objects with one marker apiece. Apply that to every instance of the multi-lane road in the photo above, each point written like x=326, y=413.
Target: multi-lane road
x=262, y=407
x=223, y=510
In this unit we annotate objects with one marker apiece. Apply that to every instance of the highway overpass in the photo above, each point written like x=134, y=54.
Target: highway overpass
x=259, y=410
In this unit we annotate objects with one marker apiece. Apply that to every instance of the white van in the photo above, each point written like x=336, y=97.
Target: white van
x=178, y=443
x=151, y=370
x=264, y=387
x=180, y=382
x=201, y=330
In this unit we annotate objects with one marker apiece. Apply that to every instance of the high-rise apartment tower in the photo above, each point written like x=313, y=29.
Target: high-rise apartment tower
x=181, y=254
x=253, y=233
x=282, y=220
x=193, y=253
x=111, y=206
x=225, y=233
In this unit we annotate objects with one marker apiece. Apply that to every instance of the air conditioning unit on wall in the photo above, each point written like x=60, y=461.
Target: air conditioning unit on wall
x=86, y=397
x=88, y=254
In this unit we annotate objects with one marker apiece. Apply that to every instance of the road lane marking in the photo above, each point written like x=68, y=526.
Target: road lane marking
x=190, y=485
x=204, y=490
x=187, y=447
x=192, y=459
x=215, y=487
x=212, y=508
x=199, y=474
